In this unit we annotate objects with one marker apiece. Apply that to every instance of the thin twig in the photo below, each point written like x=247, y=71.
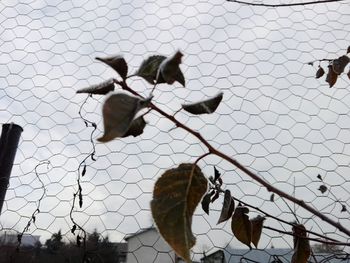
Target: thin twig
x=283, y=5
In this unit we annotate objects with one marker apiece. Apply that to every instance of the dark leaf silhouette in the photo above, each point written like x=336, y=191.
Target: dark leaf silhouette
x=241, y=225
x=343, y=208
x=320, y=72
x=323, y=188
x=217, y=174
x=170, y=71
x=175, y=197
x=118, y=63
x=348, y=50
x=99, y=89
x=215, y=196
x=136, y=127
x=73, y=229
x=84, y=170
x=348, y=74
x=319, y=177
x=205, y=106
x=272, y=197
x=257, y=226
x=119, y=111
x=331, y=76
x=149, y=69
x=302, y=248
x=205, y=203
x=227, y=208
x=339, y=64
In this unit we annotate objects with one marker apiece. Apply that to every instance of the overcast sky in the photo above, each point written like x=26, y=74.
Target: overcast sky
x=275, y=117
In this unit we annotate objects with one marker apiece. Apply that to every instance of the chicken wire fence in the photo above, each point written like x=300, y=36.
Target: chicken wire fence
x=275, y=117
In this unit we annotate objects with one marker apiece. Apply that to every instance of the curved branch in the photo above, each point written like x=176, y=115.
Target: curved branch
x=284, y=5
x=241, y=167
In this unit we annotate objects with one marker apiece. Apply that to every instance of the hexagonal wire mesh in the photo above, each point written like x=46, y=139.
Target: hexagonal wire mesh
x=275, y=118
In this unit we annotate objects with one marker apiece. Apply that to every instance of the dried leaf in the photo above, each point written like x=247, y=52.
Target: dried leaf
x=257, y=226
x=227, y=207
x=331, y=76
x=118, y=63
x=272, y=197
x=205, y=106
x=215, y=196
x=339, y=64
x=175, y=197
x=343, y=208
x=319, y=177
x=217, y=174
x=149, y=69
x=348, y=50
x=241, y=225
x=320, y=72
x=348, y=74
x=323, y=188
x=136, y=127
x=170, y=71
x=99, y=89
x=84, y=170
x=302, y=248
x=73, y=229
x=205, y=203
x=119, y=111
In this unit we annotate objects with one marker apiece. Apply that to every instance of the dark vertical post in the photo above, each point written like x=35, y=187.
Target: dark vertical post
x=9, y=139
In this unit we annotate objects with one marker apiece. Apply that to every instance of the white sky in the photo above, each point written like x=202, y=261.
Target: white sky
x=275, y=117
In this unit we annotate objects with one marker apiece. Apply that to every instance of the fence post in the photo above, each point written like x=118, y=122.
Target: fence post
x=9, y=139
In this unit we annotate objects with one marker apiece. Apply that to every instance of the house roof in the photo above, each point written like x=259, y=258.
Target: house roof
x=141, y=231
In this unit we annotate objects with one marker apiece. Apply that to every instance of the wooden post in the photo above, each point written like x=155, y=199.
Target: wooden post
x=9, y=139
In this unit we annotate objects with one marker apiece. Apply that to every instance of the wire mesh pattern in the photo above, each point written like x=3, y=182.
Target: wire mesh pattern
x=275, y=118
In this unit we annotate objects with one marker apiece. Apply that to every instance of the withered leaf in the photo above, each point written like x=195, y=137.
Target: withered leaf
x=227, y=207
x=320, y=72
x=331, y=76
x=241, y=225
x=118, y=112
x=170, y=71
x=302, y=248
x=73, y=229
x=323, y=188
x=175, y=197
x=99, y=89
x=118, y=63
x=205, y=203
x=257, y=226
x=205, y=106
x=272, y=197
x=339, y=64
x=343, y=208
x=149, y=69
x=319, y=177
x=215, y=196
x=217, y=174
x=136, y=127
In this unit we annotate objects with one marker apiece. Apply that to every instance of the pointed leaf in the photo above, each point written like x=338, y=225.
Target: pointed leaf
x=99, y=89
x=343, y=208
x=272, y=198
x=331, y=76
x=118, y=63
x=320, y=72
x=206, y=202
x=302, y=248
x=241, y=225
x=257, y=226
x=149, y=68
x=319, y=177
x=339, y=64
x=136, y=127
x=215, y=196
x=227, y=207
x=205, y=106
x=323, y=188
x=118, y=111
x=348, y=74
x=175, y=197
x=170, y=71
x=217, y=174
